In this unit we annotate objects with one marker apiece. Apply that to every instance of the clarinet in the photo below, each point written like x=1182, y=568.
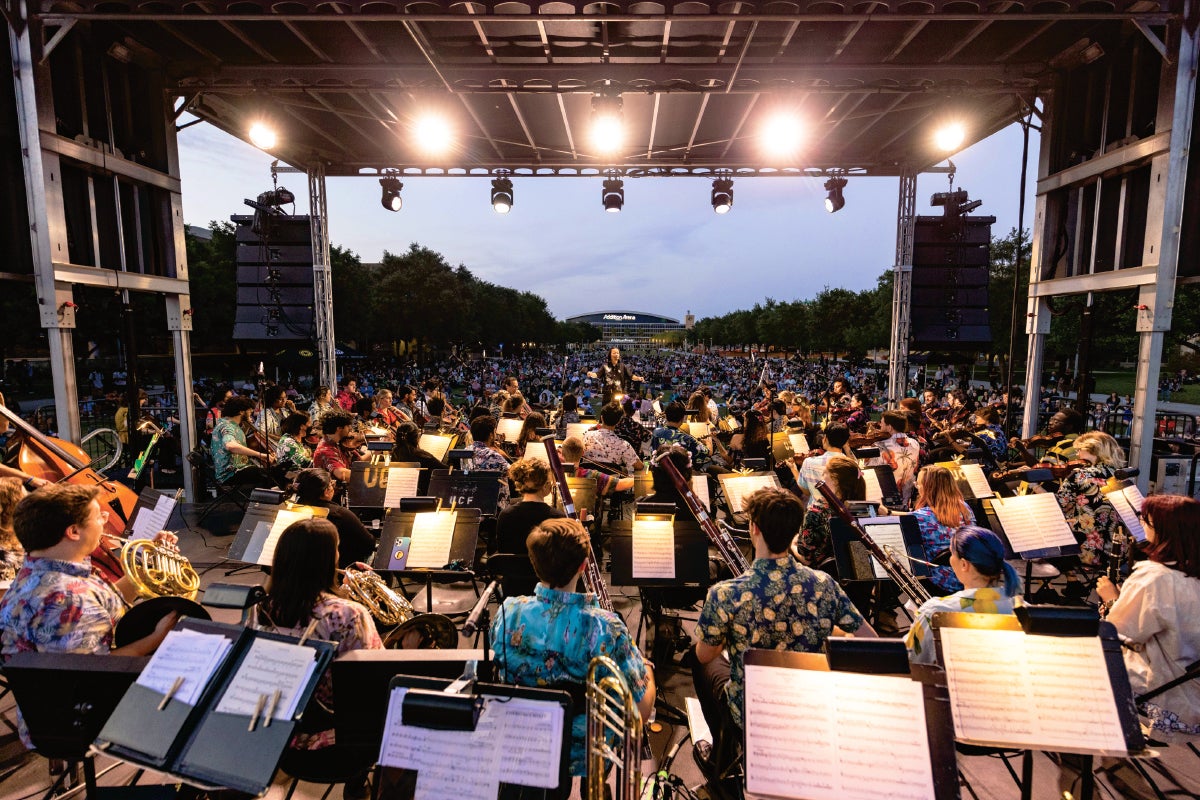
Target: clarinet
x=591, y=573
x=730, y=553
x=896, y=570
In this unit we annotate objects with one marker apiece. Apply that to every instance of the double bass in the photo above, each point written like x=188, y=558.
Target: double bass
x=60, y=461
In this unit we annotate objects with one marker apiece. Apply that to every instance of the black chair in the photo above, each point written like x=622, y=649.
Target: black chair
x=239, y=494
x=514, y=571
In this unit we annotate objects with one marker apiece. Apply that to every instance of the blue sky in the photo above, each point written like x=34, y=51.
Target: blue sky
x=666, y=253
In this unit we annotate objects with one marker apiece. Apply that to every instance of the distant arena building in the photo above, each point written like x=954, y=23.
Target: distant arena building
x=633, y=327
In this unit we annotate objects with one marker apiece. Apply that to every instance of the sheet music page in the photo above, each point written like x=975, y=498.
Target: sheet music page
x=1039, y=692
x=1033, y=522
x=269, y=665
x=799, y=443
x=266, y=534
x=510, y=429
x=401, y=482
x=537, y=450
x=150, y=521
x=977, y=480
x=653, y=549
x=437, y=756
x=578, y=428
x=1128, y=514
x=432, y=535
x=531, y=731
x=186, y=654
x=887, y=535
x=700, y=489
x=435, y=444
x=1134, y=495
x=878, y=748
x=874, y=490
x=697, y=724
x=740, y=487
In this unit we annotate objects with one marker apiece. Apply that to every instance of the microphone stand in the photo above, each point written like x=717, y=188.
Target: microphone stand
x=479, y=621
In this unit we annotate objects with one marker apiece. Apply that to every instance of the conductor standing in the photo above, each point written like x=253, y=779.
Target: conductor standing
x=615, y=376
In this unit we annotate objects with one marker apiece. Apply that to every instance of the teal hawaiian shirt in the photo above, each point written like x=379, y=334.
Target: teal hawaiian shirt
x=778, y=604
x=552, y=637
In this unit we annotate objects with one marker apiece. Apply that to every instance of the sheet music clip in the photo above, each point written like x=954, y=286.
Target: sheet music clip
x=1059, y=620
x=441, y=711
x=869, y=656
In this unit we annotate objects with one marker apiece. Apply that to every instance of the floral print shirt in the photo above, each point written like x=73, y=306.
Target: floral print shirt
x=668, y=435
x=935, y=537
x=57, y=607
x=777, y=604
x=902, y=453
x=813, y=542
x=632, y=432
x=552, y=637
x=484, y=459
x=225, y=432
x=329, y=457
x=919, y=640
x=1092, y=518
x=993, y=437
x=343, y=622
x=605, y=447
x=291, y=453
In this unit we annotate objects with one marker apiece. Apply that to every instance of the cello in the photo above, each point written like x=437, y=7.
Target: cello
x=60, y=461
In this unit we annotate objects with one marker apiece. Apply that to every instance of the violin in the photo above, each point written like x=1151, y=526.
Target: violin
x=1040, y=440
x=1059, y=471
x=60, y=461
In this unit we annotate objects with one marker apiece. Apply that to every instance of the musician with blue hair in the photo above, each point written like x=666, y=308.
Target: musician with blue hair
x=991, y=586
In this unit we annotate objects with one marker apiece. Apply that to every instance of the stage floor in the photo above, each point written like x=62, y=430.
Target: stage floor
x=26, y=775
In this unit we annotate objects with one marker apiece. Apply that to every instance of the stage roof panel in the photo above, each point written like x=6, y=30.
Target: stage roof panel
x=345, y=81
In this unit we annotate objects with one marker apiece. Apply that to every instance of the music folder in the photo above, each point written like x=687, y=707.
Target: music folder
x=1127, y=502
x=1060, y=691
x=1032, y=525
x=229, y=727
x=814, y=731
x=737, y=486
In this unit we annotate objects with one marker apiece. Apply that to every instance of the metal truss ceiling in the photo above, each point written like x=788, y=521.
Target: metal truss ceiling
x=347, y=79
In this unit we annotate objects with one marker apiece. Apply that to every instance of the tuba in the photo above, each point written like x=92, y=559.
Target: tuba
x=614, y=732
x=158, y=569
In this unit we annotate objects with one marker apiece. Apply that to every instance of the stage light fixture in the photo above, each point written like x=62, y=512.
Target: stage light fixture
x=391, y=199
x=502, y=195
x=432, y=133
x=950, y=136
x=608, y=128
x=722, y=195
x=780, y=134
x=835, y=200
x=262, y=135
x=613, y=196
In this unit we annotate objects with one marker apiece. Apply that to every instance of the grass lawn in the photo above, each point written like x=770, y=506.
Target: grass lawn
x=1122, y=382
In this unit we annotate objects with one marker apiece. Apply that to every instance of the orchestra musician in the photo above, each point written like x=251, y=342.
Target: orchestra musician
x=322, y=404
x=900, y=452
x=940, y=510
x=990, y=586
x=349, y=395
x=275, y=407
x=56, y=604
x=408, y=448
x=569, y=415
x=1156, y=611
x=987, y=428
x=630, y=429
x=486, y=454
x=386, y=415
x=601, y=445
x=813, y=545
x=614, y=375
x=1092, y=518
x=513, y=387
x=549, y=639
x=671, y=432
x=1061, y=431
x=529, y=431
x=303, y=598
x=316, y=488
x=834, y=442
x=230, y=452
x=858, y=417
x=777, y=604
x=572, y=457
x=291, y=452
x=329, y=455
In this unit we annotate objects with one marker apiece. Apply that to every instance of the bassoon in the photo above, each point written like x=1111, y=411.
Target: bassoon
x=591, y=572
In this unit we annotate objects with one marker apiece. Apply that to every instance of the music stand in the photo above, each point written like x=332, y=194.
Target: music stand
x=399, y=784
x=395, y=542
x=691, y=556
x=261, y=527
x=369, y=483
x=855, y=563
x=65, y=699
x=479, y=490
x=360, y=686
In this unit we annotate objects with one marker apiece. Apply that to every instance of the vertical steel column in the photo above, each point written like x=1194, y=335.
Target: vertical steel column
x=906, y=221
x=322, y=279
x=1037, y=317
x=47, y=218
x=179, y=312
x=1164, y=217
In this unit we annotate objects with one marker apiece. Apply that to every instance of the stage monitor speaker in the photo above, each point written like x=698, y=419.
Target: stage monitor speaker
x=275, y=279
x=949, y=298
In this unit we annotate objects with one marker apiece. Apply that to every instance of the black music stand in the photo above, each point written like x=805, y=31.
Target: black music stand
x=255, y=530
x=400, y=784
x=396, y=536
x=65, y=699
x=368, y=484
x=479, y=490
x=855, y=563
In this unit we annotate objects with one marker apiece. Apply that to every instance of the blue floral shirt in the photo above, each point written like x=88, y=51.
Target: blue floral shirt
x=668, y=435
x=935, y=537
x=778, y=604
x=551, y=638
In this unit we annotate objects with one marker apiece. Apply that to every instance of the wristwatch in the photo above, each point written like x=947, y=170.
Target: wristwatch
x=28, y=484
